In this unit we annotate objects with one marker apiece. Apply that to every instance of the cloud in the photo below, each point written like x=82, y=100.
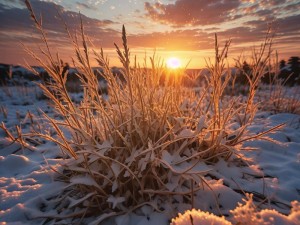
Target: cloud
x=17, y=20
x=191, y=12
x=181, y=40
x=85, y=6
x=288, y=25
x=270, y=3
x=250, y=9
x=268, y=9
x=292, y=7
x=265, y=14
x=16, y=27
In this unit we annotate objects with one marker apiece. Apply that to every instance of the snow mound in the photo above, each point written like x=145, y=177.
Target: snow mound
x=198, y=217
x=246, y=214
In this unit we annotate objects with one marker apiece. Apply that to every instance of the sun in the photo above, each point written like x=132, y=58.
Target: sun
x=173, y=63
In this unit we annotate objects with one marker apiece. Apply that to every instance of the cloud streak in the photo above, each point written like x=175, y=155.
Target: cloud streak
x=191, y=25
x=16, y=27
x=191, y=12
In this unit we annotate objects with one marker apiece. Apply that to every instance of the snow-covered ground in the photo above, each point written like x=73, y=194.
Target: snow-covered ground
x=28, y=177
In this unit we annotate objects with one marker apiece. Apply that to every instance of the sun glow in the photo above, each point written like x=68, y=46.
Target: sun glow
x=173, y=63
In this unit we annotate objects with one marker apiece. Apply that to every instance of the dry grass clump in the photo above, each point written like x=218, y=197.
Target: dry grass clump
x=150, y=139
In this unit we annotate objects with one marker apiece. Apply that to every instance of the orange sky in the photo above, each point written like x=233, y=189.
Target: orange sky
x=173, y=28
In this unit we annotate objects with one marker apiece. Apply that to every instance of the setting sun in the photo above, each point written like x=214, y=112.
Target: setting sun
x=173, y=63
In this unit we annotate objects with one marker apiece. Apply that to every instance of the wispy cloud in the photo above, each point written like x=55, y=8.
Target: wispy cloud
x=190, y=24
x=86, y=6
x=185, y=12
x=16, y=27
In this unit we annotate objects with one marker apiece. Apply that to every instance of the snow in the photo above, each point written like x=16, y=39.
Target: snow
x=199, y=218
x=28, y=177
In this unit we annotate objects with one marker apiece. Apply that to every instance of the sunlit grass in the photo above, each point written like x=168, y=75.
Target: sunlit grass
x=125, y=151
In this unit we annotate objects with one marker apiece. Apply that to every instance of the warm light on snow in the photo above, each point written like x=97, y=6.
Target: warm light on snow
x=173, y=63
x=32, y=185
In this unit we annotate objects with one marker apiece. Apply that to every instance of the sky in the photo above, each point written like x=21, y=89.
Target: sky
x=170, y=28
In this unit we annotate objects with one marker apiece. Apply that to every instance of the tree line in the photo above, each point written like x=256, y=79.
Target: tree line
x=288, y=73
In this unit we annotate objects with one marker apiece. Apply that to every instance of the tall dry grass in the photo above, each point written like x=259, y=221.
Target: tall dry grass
x=146, y=143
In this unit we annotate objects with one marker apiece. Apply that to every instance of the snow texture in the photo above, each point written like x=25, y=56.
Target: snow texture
x=28, y=177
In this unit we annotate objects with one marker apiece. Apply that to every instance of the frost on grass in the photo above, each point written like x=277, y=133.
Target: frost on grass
x=153, y=141
x=246, y=214
x=198, y=217
x=249, y=215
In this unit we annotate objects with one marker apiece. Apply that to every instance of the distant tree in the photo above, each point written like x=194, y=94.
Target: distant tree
x=246, y=67
x=268, y=76
x=290, y=74
x=5, y=73
x=282, y=64
x=245, y=71
x=294, y=63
